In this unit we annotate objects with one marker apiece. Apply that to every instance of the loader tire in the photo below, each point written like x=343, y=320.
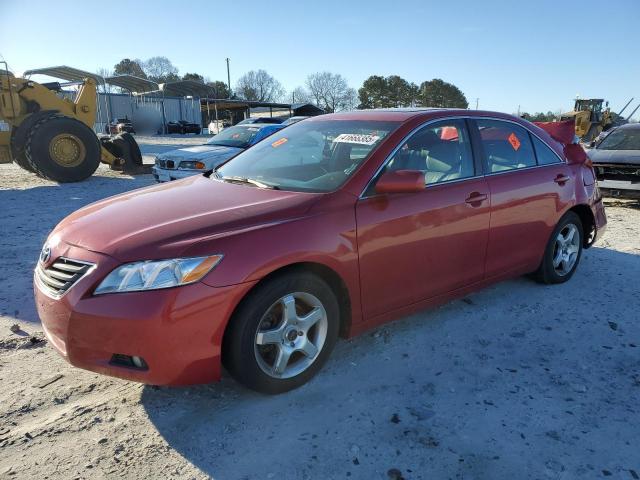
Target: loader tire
x=19, y=139
x=62, y=149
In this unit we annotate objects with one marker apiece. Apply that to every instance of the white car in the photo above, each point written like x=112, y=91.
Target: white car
x=185, y=162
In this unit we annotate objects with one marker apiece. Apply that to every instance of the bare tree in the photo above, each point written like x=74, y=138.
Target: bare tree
x=300, y=95
x=259, y=86
x=161, y=70
x=104, y=73
x=331, y=91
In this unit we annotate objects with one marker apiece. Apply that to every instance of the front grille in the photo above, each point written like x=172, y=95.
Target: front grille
x=59, y=277
x=162, y=163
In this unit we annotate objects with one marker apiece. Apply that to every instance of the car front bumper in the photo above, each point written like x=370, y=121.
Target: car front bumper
x=167, y=175
x=177, y=331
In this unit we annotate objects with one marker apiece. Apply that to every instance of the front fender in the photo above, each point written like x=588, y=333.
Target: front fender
x=326, y=236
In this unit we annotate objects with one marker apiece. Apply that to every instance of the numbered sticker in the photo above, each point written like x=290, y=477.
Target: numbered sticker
x=360, y=139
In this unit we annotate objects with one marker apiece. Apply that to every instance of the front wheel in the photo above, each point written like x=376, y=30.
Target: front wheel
x=563, y=251
x=282, y=333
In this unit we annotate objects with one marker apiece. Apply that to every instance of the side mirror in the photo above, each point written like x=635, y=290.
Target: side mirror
x=592, y=143
x=401, y=181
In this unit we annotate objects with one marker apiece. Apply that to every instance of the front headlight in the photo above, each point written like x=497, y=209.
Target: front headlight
x=192, y=165
x=156, y=274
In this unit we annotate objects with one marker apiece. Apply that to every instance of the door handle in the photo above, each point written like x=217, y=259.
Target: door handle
x=561, y=179
x=476, y=198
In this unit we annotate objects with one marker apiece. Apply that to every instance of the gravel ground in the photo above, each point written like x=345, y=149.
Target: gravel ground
x=516, y=381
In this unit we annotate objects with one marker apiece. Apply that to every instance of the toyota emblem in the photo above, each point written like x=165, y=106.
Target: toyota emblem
x=45, y=254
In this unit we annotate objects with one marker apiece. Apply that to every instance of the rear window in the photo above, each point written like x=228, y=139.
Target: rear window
x=506, y=146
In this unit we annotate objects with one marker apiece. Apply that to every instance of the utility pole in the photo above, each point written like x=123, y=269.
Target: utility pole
x=228, y=78
x=477, y=101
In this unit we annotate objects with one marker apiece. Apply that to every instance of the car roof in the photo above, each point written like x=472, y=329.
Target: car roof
x=630, y=126
x=403, y=114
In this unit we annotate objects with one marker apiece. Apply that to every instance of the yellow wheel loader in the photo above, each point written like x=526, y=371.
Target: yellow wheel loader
x=590, y=118
x=53, y=136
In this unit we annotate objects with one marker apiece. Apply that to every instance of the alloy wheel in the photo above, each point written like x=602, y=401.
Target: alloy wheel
x=290, y=335
x=566, y=249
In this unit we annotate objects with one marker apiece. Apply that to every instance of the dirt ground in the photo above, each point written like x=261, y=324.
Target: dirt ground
x=517, y=381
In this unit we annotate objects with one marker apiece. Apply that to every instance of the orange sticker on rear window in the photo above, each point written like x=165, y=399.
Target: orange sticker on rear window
x=277, y=143
x=514, y=141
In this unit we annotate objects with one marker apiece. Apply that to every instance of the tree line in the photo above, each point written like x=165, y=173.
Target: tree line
x=329, y=91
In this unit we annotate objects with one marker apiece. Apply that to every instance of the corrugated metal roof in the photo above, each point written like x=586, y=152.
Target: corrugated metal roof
x=63, y=72
x=133, y=84
x=186, y=88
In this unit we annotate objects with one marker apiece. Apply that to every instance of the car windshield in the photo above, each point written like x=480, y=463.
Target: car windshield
x=238, y=136
x=315, y=156
x=622, y=139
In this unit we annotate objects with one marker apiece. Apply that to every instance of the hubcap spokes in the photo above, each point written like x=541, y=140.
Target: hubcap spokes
x=290, y=335
x=567, y=246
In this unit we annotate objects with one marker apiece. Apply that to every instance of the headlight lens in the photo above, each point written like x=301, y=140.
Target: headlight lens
x=156, y=274
x=192, y=165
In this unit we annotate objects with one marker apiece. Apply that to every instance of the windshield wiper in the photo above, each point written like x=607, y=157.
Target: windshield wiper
x=249, y=181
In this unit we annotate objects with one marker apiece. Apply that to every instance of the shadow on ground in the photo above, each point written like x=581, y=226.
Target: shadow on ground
x=518, y=381
x=28, y=216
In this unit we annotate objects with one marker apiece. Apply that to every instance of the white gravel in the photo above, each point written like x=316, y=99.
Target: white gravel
x=517, y=381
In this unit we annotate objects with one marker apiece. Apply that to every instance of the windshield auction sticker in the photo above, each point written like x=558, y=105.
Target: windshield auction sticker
x=277, y=143
x=356, y=138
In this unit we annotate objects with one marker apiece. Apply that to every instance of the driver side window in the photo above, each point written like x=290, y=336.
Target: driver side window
x=441, y=150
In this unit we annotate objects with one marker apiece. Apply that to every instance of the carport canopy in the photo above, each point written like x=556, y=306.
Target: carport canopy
x=187, y=88
x=133, y=84
x=63, y=72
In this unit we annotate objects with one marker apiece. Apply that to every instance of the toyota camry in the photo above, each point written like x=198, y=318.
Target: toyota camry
x=327, y=228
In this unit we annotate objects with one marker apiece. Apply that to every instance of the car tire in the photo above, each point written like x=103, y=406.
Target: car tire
x=282, y=333
x=563, y=251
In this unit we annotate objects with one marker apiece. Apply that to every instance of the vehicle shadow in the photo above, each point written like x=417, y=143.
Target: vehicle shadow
x=515, y=378
x=27, y=217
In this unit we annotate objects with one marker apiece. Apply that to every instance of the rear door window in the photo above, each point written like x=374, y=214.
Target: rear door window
x=544, y=154
x=506, y=146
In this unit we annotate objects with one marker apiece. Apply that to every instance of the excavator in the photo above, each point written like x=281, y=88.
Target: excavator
x=52, y=136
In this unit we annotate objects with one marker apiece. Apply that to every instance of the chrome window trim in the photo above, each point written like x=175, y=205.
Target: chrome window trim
x=460, y=117
x=47, y=290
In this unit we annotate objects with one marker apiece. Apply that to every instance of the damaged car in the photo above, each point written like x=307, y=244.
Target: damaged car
x=616, y=160
x=330, y=227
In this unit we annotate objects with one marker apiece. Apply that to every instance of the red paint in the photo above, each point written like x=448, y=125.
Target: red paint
x=395, y=252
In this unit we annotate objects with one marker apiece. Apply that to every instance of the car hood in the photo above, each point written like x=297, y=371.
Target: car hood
x=163, y=221
x=203, y=153
x=624, y=157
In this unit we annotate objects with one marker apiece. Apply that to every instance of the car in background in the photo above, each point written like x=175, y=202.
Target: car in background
x=330, y=227
x=616, y=160
x=248, y=121
x=120, y=125
x=184, y=162
x=292, y=120
x=183, y=127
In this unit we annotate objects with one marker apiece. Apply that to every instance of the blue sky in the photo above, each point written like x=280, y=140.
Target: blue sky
x=536, y=54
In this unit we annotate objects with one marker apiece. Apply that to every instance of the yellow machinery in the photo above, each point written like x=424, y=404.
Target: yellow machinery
x=52, y=136
x=590, y=118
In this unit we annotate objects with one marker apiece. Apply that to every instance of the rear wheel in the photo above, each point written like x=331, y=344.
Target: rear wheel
x=563, y=251
x=62, y=149
x=282, y=333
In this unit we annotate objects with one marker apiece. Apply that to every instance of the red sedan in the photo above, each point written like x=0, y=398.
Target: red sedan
x=328, y=228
